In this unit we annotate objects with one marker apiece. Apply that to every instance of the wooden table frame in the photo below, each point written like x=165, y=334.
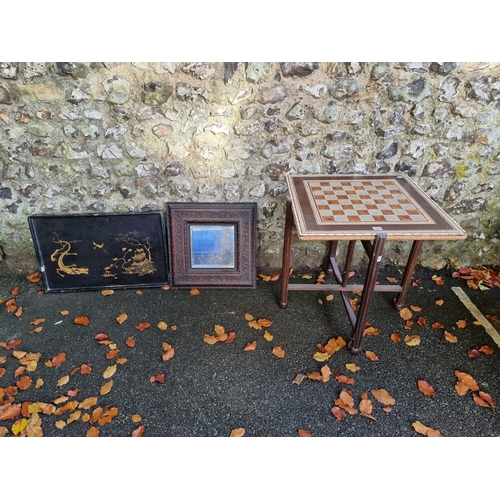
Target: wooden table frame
x=436, y=224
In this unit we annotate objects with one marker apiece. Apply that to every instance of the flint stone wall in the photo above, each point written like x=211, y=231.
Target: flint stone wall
x=121, y=137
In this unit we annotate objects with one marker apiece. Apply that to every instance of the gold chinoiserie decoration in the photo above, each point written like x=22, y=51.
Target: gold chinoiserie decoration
x=60, y=254
x=136, y=259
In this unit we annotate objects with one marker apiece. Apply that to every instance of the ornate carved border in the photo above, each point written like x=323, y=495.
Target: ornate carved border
x=242, y=216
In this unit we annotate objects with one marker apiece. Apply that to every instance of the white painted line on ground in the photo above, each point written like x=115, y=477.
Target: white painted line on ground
x=477, y=314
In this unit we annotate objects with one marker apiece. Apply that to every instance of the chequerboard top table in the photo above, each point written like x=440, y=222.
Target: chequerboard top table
x=371, y=209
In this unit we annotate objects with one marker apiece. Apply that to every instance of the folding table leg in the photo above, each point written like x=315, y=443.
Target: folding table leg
x=368, y=290
x=332, y=255
x=408, y=274
x=287, y=244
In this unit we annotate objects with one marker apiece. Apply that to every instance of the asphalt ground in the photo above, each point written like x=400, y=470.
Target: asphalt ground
x=210, y=390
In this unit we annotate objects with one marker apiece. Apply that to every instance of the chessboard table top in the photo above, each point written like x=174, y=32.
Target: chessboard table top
x=357, y=207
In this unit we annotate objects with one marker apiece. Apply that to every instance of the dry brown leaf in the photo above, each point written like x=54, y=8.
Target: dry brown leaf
x=248, y=317
x=450, y=338
x=439, y=302
x=425, y=430
x=392, y=280
x=173, y=328
x=87, y=403
x=415, y=308
x=461, y=388
x=461, y=323
x=304, y=433
x=321, y=356
x=38, y=383
x=473, y=353
x=483, y=399
x=108, y=415
x=105, y=388
x=37, y=321
x=24, y=383
x=38, y=329
x=10, y=411
x=109, y=372
x=168, y=354
x=278, y=352
x=366, y=408
x=382, y=396
x=395, y=337
x=210, y=339
x=352, y=367
x=338, y=413
x=160, y=378
x=342, y=379
x=425, y=388
x=325, y=373
x=299, y=378
x=85, y=369
x=251, y=346
x=314, y=376
x=421, y=322
x=113, y=353
x=162, y=325
x=230, y=337
x=255, y=325
x=70, y=406
x=60, y=424
x=138, y=292
x=194, y=291
x=122, y=318
x=107, y=292
x=329, y=297
x=239, y=432
x=92, y=432
x=136, y=418
x=73, y=417
x=143, y=326
x=58, y=360
x=219, y=330
x=264, y=322
x=64, y=312
x=138, y=432
x=466, y=380
x=130, y=342
x=81, y=320
x=345, y=398
x=121, y=361
x=412, y=340
x=371, y=355
x=97, y=413
x=34, y=277
x=269, y=337
x=486, y=349
x=371, y=330
x=63, y=381
x=405, y=313
x=438, y=280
